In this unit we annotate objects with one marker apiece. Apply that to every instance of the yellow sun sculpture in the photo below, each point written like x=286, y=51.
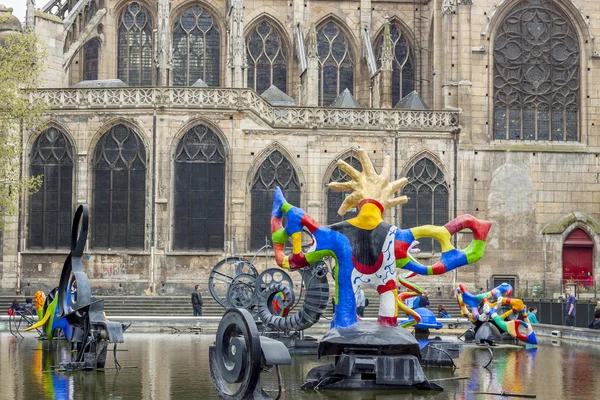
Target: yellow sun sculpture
x=369, y=184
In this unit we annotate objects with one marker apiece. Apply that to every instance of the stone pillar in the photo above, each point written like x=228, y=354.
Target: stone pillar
x=236, y=56
x=30, y=14
x=299, y=13
x=448, y=84
x=366, y=14
x=464, y=67
x=164, y=52
x=385, y=72
x=310, y=78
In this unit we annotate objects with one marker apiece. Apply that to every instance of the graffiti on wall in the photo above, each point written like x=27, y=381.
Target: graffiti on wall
x=114, y=271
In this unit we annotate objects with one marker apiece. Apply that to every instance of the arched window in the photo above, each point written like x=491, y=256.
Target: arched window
x=336, y=63
x=91, y=51
x=199, y=191
x=276, y=170
x=335, y=199
x=119, y=190
x=135, y=45
x=50, y=208
x=267, y=58
x=403, y=63
x=536, y=74
x=427, y=193
x=196, y=48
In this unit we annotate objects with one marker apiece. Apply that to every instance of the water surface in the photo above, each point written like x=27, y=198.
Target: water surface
x=171, y=366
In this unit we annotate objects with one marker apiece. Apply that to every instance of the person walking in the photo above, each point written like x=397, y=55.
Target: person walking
x=570, y=308
x=197, y=301
x=361, y=303
x=533, y=315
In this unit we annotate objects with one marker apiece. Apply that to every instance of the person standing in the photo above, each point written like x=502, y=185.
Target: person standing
x=361, y=303
x=197, y=301
x=570, y=309
x=424, y=302
x=532, y=315
x=589, y=281
x=27, y=290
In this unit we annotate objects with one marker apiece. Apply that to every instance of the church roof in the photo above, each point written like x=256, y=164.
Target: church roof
x=345, y=100
x=411, y=101
x=100, y=83
x=276, y=97
x=199, y=83
x=9, y=21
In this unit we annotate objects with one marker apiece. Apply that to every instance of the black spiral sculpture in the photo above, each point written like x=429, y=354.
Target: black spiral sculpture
x=313, y=307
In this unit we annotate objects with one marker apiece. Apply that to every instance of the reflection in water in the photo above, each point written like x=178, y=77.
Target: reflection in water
x=176, y=367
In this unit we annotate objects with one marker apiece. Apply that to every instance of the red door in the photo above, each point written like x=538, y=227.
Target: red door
x=577, y=257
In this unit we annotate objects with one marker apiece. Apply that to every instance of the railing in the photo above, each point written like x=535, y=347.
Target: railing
x=583, y=289
x=246, y=99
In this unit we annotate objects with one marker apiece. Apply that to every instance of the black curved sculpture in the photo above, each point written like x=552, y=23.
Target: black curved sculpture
x=240, y=354
x=86, y=326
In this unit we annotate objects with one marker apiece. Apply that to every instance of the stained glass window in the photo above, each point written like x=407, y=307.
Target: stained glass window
x=403, y=63
x=427, y=193
x=50, y=209
x=199, y=191
x=196, y=48
x=276, y=170
x=135, y=46
x=336, y=63
x=335, y=199
x=267, y=58
x=536, y=74
x=119, y=190
x=91, y=51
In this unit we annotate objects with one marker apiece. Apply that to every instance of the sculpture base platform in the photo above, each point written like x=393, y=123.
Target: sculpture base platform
x=295, y=345
x=369, y=339
x=370, y=357
x=440, y=353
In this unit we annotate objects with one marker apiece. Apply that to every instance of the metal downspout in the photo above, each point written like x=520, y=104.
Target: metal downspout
x=153, y=233
x=456, y=132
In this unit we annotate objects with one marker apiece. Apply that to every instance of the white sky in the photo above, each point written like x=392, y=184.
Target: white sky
x=19, y=6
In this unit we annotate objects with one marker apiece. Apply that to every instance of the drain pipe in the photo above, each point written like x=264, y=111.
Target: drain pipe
x=396, y=173
x=20, y=211
x=153, y=233
x=455, y=132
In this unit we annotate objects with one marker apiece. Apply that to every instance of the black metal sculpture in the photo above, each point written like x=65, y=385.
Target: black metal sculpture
x=240, y=354
x=74, y=310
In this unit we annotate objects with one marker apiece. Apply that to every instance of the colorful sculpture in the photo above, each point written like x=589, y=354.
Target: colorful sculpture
x=366, y=249
x=484, y=307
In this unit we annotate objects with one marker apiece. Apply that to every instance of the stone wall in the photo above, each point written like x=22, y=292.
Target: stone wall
x=534, y=192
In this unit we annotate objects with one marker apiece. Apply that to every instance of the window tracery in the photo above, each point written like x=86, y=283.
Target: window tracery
x=267, y=58
x=196, y=48
x=536, y=75
x=276, y=170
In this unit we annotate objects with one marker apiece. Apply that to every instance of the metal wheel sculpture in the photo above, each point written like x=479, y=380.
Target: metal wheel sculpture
x=223, y=275
x=235, y=360
x=235, y=283
x=241, y=292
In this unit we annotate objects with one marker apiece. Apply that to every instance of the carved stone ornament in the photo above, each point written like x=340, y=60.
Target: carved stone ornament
x=447, y=7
